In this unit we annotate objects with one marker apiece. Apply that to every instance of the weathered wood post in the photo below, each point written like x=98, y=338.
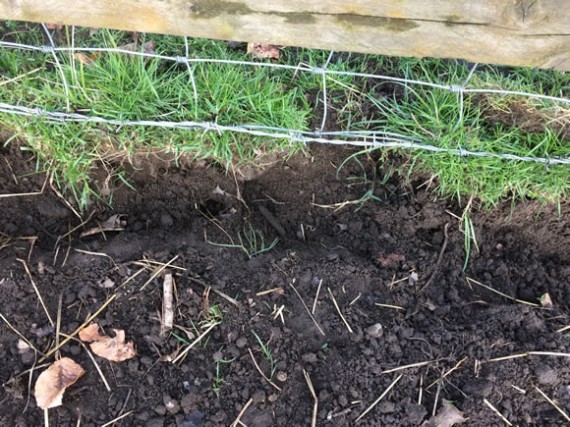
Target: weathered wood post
x=511, y=32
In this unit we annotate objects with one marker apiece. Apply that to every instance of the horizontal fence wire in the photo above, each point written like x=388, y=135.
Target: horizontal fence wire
x=361, y=138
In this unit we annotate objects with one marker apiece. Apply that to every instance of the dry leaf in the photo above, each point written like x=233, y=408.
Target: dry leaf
x=85, y=59
x=54, y=26
x=90, y=333
x=260, y=50
x=106, y=283
x=149, y=47
x=114, y=349
x=52, y=382
x=110, y=348
x=447, y=416
x=113, y=223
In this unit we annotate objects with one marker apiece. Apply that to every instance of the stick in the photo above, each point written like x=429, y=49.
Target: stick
x=80, y=327
x=120, y=417
x=470, y=280
x=167, y=304
x=439, y=258
x=339, y=312
x=413, y=365
x=52, y=323
x=317, y=296
x=20, y=334
x=237, y=420
x=196, y=341
x=308, y=311
x=380, y=398
x=261, y=372
x=496, y=411
x=157, y=272
x=315, y=399
x=553, y=404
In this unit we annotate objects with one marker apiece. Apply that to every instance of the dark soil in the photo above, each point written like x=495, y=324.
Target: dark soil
x=381, y=252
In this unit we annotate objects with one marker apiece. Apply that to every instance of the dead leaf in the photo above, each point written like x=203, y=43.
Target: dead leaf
x=110, y=348
x=52, y=382
x=546, y=301
x=149, y=47
x=115, y=222
x=90, y=333
x=86, y=59
x=261, y=50
x=391, y=259
x=106, y=283
x=54, y=26
x=447, y=416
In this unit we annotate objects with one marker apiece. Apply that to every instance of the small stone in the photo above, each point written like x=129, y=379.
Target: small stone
x=545, y=375
x=166, y=220
x=172, y=405
x=259, y=396
x=342, y=400
x=272, y=398
x=281, y=376
x=375, y=331
x=386, y=407
x=160, y=409
x=241, y=342
x=309, y=357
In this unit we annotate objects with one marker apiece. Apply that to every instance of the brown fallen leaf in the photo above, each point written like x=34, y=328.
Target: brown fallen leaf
x=149, y=47
x=261, y=50
x=110, y=348
x=115, y=222
x=447, y=416
x=54, y=26
x=52, y=382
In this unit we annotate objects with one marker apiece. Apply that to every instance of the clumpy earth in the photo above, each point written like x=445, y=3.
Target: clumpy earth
x=353, y=300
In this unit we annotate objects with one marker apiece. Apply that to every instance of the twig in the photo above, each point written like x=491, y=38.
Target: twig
x=469, y=280
x=167, y=304
x=219, y=293
x=434, y=410
x=496, y=411
x=395, y=307
x=52, y=323
x=315, y=398
x=196, y=341
x=157, y=272
x=308, y=311
x=439, y=258
x=261, y=372
x=558, y=408
x=380, y=398
x=237, y=420
x=413, y=365
x=530, y=353
x=317, y=296
x=447, y=373
x=20, y=334
x=339, y=312
x=120, y=417
x=79, y=328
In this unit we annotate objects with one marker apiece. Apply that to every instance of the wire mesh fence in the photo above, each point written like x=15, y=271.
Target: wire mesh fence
x=367, y=138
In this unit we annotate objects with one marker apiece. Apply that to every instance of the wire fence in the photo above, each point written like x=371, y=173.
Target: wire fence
x=362, y=138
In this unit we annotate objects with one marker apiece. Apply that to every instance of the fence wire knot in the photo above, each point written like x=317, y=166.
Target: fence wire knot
x=297, y=137
x=461, y=152
x=38, y=112
x=318, y=70
x=181, y=59
x=456, y=88
x=47, y=49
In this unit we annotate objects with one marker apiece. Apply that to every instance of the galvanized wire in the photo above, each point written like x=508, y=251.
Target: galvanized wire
x=362, y=138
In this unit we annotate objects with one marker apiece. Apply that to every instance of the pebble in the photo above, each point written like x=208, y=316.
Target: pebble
x=309, y=357
x=166, y=220
x=545, y=375
x=241, y=342
x=172, y=405
x=375, y=331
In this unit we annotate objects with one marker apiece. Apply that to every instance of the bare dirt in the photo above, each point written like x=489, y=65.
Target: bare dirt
x=374, y=260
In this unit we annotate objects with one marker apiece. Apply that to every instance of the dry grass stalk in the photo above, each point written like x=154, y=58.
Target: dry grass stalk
x=52, y=323
x=380, y=398
x=496, y=411
x=339, y=312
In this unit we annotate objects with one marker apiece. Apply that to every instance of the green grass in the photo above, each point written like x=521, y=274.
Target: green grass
x=118, y=87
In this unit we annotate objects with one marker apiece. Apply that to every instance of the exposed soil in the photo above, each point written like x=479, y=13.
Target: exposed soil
x=382, y=252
